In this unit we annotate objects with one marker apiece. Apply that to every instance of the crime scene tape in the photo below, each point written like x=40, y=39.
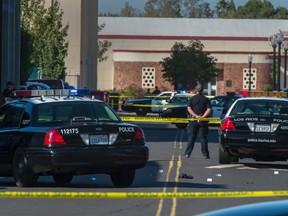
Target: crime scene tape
x=149, y=195
x=166, y=120
x=133, y=97
x=152, y=105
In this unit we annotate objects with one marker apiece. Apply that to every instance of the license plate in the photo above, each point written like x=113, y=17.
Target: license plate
x=98, y=139
x=263, y=128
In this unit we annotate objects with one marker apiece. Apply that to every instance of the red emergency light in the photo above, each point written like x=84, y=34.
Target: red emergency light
x=244, y=93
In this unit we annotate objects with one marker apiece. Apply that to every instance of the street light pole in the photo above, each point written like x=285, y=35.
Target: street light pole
x=250, y=58
x=279, y=42
x=285, y=48
x=274, y=45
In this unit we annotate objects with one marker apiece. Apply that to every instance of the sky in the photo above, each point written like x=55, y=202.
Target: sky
x=114, y=6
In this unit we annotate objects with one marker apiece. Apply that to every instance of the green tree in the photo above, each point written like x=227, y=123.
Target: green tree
x=196, y=9
x=281, y=13
x=25, y=54
x=177, y=8
x=103, y=46
x=151, y=8
x=231, y=9
x=162, y=8
x=225, y=9
x=108, y=14
x=188, y=65
x=222, y=8
x=48, y=45
x=256, y=9
x=129, y=11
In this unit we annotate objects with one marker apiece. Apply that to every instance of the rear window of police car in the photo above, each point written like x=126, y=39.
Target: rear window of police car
x=65, y=112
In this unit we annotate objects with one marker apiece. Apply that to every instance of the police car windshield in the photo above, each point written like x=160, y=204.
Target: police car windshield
x=261, y=107
x=223, y=100
x=72, y=112
x=180, y=100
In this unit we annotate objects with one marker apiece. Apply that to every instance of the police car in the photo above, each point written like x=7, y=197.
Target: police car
x=222, y=102
x=177, y=108
x=148, y=105
x=255, y=127
x=63, y=134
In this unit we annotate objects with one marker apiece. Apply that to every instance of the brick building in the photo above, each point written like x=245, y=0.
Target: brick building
x=139, y=44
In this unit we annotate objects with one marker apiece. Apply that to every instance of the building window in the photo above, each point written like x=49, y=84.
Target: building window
x=246, y=78
x=148, y=77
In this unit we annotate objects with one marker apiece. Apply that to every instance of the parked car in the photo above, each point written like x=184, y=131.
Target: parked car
x=254, y=127
x=34, y=86
x=177, y=108
x=148, y=105
x=220, y=102
x=65, y=136
x=53, y=83
x=178, y=99
x=68, y=86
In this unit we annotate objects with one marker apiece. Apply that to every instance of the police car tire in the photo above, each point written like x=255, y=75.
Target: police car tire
x=123, y=179
x=63, y=178
x=141, y=112
x=234, y=159
x=24, y=176
x=224, y=157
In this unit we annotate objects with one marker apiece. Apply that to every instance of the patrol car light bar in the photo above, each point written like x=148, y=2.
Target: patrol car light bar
x=51, y=92
x=185, y=91
x=264, y=94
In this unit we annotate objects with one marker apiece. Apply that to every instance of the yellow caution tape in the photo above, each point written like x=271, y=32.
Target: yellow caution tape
x=166, y=120
x=111, y=103
x=148, y=96
x=151, y=105
x=268, y=93
x=149, y=195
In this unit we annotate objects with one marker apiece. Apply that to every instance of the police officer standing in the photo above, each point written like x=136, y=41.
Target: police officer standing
x=198, y=107
x=8, y=91
x=156, y=91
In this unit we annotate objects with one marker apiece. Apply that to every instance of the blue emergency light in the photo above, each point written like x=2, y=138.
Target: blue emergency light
x=52, y=92
x=79, y=92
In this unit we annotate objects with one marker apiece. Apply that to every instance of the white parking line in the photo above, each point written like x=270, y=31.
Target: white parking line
x=224, y=166
x=247, y=168
x=243, y=167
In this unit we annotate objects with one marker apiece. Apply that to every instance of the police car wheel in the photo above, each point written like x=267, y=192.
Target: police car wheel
x=224, y=157
x=63, y=178
x=141, y=112
x=234, y=159
x=24, y=176
x=123, y=179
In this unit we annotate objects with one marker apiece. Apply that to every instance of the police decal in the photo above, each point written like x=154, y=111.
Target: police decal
x=126, y=129
x=69, y=131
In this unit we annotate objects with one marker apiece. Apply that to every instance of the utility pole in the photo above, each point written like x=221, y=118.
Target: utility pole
x=89, y=42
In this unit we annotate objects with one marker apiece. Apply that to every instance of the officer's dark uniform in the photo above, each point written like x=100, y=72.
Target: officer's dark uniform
x=199, y=104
